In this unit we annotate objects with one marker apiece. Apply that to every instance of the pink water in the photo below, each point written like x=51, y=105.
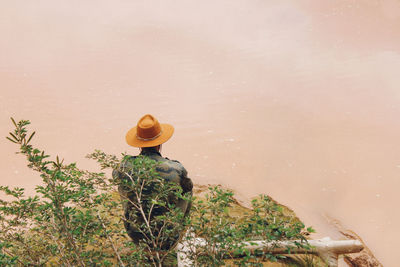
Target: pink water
x=299, y=100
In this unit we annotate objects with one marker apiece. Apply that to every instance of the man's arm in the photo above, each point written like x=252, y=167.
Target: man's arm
x=185, y=182
x=187, y=187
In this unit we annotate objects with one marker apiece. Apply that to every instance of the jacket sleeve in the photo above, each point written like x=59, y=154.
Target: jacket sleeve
x=186, y=182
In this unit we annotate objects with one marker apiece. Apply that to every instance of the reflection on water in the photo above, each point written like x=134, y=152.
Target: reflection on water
x=300, y=101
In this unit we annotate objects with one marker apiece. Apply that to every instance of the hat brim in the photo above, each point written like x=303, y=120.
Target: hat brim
x=132, y=140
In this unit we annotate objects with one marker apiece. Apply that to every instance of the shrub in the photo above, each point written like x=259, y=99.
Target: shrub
x=223, y=233
x=75, y=217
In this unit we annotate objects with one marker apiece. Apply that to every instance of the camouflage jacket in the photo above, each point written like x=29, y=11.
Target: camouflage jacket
x=171, y=170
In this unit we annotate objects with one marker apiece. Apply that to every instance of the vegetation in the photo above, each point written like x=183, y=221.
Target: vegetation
x=223, y=224
x=76, y=219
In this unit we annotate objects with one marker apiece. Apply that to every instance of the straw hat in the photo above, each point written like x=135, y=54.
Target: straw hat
x=149, y=132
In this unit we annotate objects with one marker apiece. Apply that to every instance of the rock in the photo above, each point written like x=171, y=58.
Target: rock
x=365, y=258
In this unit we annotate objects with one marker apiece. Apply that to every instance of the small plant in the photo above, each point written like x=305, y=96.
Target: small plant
x=224, y=234
x=69, y=218
x=212, y=222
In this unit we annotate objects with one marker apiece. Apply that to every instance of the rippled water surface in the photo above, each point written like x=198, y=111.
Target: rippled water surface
x=296, y=99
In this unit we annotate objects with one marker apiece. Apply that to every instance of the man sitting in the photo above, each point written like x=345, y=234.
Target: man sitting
x=149, y=135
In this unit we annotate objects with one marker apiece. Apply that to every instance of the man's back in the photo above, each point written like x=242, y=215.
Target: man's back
x=170, y=170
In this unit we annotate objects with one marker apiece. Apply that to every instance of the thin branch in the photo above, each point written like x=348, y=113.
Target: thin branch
x=110, y=240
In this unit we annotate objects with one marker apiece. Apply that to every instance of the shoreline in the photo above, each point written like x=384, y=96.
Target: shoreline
x=363, y=258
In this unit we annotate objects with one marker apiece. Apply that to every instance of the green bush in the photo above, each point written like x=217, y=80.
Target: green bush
x=223, y=233
x=76, y=218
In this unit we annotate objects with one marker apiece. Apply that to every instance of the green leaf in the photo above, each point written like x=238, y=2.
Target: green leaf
x=30, y=137
x=16, y=139
x=310, y=230
x=12, y=119
x=11, y=140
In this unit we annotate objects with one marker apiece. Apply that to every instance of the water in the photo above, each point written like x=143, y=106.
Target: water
x=296, y=100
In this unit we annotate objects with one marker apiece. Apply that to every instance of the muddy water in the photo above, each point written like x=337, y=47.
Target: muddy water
x=297, y=100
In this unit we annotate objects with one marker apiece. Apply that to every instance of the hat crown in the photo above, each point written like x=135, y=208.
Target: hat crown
x=149, y=132
x=148, y=127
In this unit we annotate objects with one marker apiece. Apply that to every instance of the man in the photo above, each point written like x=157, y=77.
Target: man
x=149, y=135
